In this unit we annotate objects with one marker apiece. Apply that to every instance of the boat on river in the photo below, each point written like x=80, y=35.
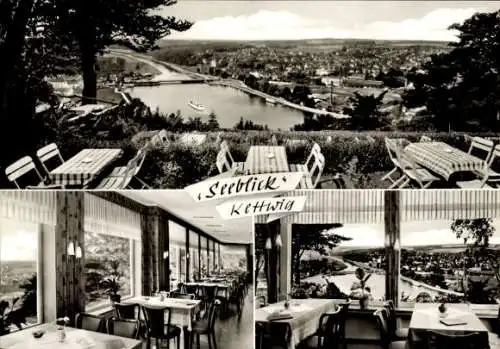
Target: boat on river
x=198, y=107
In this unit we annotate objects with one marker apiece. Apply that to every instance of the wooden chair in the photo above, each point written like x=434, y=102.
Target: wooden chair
x=327, y=334
x=22, y=168
x=393, y=146
x=121, y=177
x=127, y=311
x=386, y=342
x=488, y=178
x=159, y=328
x=440, y=340
x=395, y=332
x=412, y=173
x=47, y=153
x=124, y=328
x=206, y=326
x=90, y=322
x=224, y=157
x=481, y=146
x=313, y=168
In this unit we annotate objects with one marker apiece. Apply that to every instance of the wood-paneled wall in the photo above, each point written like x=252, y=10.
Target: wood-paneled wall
x=70, y=283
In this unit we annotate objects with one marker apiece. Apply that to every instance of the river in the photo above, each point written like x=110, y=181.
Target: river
x=227, y=103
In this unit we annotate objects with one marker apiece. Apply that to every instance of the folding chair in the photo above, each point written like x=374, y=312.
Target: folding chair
x=21, y=168
x=486, y=176
x=229, y=161
x=481, y=145
x=413, y=173
x=312, y=177
x=393, y=146
x=47, y=153
x=121, y=177
x=306, y=167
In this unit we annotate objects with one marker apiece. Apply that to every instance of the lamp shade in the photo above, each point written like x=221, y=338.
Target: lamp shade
x=71, y=248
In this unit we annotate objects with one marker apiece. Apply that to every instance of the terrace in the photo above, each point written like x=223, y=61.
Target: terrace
x=106, y=268
x=380, y=264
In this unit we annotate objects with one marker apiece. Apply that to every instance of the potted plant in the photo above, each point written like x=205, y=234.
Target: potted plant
x=360, y=290
x=112, y=283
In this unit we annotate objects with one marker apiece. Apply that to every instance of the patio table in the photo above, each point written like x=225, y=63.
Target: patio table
x=443, y=159
x=183, y=311
x=305, y=312
x=75, y=339
x=266, y=159
x=426, y=318
x=84, y=167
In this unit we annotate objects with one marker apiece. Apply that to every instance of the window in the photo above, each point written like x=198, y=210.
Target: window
x=234, y=258
x=204, y=257
x=338, y=261
x=216, y=258
x=177, y=246
x=19, y=249
x=209, y=257
x=108, y=258
x=193, y=254
x=460, y=263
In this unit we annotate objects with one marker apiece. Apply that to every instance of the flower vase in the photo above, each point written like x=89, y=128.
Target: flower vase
x=61, y=334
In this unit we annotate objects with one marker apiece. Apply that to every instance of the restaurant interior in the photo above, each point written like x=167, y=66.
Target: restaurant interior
x=122, y=270
x=380, y=269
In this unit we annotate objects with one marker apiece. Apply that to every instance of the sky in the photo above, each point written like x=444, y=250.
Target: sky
x=412, y=234
x=284, y=20
x=17, y=243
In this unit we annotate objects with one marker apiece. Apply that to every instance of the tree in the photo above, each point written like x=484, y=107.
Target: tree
x=213, y=124
x=476, y=234
x=312, y=237
x=365, y=111
x=97, y=24
x=460, y=88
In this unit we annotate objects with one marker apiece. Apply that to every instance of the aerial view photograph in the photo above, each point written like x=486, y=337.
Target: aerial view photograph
x=90, y=100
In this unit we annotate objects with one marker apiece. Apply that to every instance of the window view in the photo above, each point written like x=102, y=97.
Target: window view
x=335, y=261
x=460, y=263
x=18, y=275
x=108, y=274
x=193, y=254
x=177, y=247
x=204, y=257
x=233, y=258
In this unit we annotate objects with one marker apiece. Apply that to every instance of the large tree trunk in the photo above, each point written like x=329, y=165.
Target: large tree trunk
x=88, y=58
x=14, y=114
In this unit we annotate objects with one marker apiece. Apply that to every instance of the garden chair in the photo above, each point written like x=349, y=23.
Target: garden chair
x=486, y=176
x=26, y=167
x=121, y=177
x=412, y=173
x=312, y=176
x=393, y=146
x=274, y=141
x=481, y=146
x=47, y=153
x=306, y=167
x=225, y=161
x=425, y=139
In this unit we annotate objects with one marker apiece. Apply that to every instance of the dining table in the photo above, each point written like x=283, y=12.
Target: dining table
x=75, y=339
x=426, y=318
x=444, y=159
x=183, y=312
x=302, y=316
x=266, y=159
x=84, y=167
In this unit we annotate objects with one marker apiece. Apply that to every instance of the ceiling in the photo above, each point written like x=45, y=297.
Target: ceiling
x=202, y=215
